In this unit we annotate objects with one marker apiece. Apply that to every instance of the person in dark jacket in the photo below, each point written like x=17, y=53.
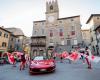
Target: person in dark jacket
x=22, y=63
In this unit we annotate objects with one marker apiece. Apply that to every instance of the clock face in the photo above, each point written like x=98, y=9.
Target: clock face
x=51, y=19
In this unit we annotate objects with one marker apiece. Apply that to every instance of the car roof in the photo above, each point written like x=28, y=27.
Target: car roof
x=39, y=56
x=83, y=49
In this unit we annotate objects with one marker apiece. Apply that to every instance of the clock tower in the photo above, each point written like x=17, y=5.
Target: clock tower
x=52, y=11
x=55, y=31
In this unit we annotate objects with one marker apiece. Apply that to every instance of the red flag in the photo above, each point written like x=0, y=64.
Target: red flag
x=93, y=58
x=60, y=55
x=55, y=54
x=74, y=56
x=65, y=54
x=11, y=58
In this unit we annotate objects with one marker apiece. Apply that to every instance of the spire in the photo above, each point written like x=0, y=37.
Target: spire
x=51, y=6
x=56, y=5
x=53, y=2
x=50, y=1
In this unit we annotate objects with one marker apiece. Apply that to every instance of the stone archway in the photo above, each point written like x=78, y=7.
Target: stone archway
x=34, y=52
x=41, y=52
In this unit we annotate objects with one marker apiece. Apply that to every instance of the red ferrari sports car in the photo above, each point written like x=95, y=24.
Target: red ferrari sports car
x=40, y=64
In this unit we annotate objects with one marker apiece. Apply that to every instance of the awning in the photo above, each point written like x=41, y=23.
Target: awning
x=1, y=50
x=51, y=44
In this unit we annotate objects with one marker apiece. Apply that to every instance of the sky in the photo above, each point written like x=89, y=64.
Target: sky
x=22, y=13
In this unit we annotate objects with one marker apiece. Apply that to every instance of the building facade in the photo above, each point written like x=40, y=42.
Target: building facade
x=58, y=31
x=94, y=22
x=86, y=36
x=38, y=45
x=97, y=31
x=11, y=44
x=26, y=45
x=19, y=38
x=4, y=40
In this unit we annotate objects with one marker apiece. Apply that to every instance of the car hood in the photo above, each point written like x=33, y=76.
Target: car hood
x=42, y=63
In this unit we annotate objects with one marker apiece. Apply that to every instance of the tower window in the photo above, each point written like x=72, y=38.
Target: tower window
x=51, y=7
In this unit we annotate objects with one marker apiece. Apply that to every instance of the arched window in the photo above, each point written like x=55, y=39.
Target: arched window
x=51, y=7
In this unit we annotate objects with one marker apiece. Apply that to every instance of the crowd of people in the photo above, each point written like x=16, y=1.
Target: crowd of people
x=75, y=55
x=72, y=56
x=24, y=59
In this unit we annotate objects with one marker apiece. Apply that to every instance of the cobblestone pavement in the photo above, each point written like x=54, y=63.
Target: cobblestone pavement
x=64, y=71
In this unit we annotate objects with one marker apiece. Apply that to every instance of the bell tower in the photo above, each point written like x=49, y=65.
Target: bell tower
x=52, y=8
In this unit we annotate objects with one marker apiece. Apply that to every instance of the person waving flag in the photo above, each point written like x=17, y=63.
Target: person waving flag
x=74, y=56
x=55, y=55
x=65, y=54
x=11, y=59
x=94, y=59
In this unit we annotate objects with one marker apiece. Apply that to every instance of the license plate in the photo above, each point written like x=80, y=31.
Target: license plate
x=42, y=69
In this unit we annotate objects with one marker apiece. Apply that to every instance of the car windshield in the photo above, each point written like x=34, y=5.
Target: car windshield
x=39, y=58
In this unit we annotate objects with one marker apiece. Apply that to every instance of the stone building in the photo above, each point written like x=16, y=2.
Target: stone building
x=11, y=43
x=86, y=36
x=18, y=39
x=58, y=31
x=26, y=44
x=94, y=23
x=38, y=45
x=4, y=40
x=97, y=31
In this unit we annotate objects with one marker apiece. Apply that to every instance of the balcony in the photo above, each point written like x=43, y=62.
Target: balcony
x=38, y=41
x=38, y=44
